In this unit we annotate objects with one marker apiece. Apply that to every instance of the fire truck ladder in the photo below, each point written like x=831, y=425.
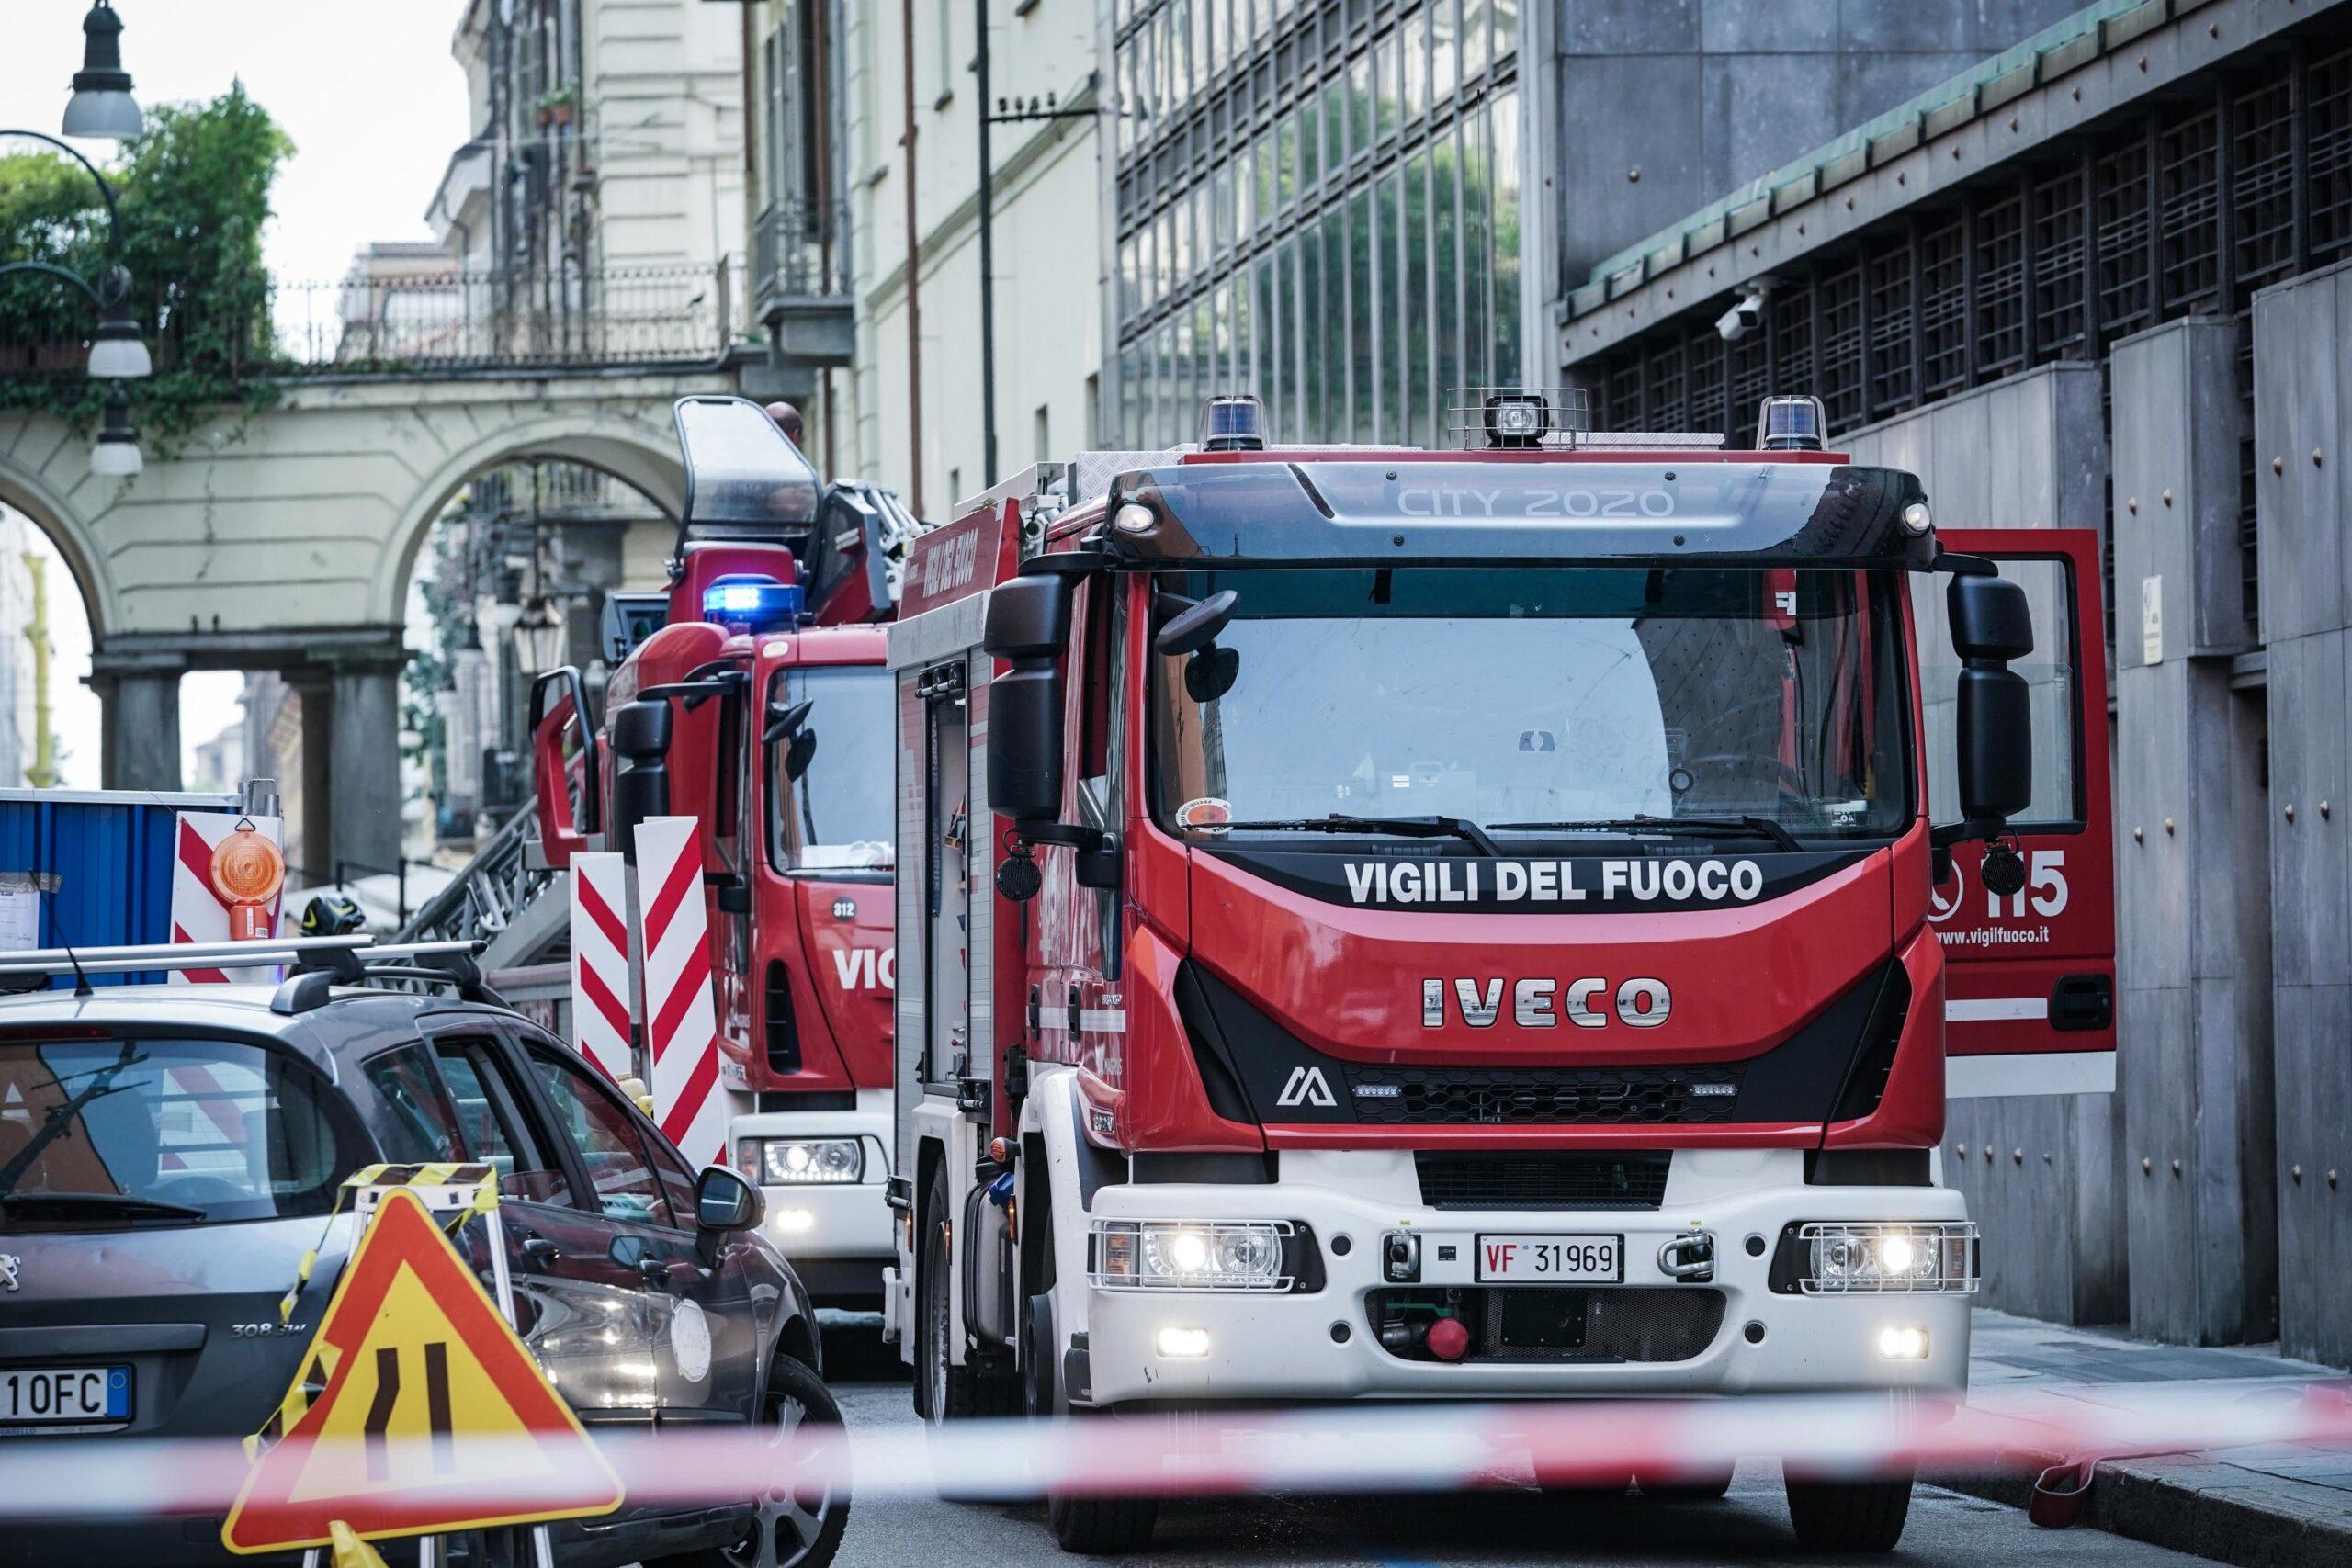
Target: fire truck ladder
x=517, y=909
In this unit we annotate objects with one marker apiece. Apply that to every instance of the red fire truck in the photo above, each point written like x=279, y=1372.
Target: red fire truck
x=1485, y=923
x=760, y=706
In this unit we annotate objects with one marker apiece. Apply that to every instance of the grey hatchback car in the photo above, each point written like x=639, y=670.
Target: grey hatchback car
x=168, y=1153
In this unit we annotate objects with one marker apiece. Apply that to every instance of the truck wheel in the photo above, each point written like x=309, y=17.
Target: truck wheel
x=947, y=1392
x=1101, y=1525
x=1849, y=1516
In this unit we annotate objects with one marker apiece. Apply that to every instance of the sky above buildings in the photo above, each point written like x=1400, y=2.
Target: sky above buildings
x=374, y=104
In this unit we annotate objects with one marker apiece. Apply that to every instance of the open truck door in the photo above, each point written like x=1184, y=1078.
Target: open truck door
x=2030, y=988
x=566, y=780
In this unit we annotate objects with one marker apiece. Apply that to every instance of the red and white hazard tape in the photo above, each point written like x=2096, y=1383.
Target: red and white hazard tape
x=1382, y=1449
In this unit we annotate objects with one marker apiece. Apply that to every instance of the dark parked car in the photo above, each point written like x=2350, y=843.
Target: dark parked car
x=167, y=1154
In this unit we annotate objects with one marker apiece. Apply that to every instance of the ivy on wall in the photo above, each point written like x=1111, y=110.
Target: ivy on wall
x=194, y=192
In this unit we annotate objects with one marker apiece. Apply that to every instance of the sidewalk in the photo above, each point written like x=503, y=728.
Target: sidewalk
x=2279, y=1506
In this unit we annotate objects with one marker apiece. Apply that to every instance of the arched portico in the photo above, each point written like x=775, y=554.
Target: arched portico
x=284, y=540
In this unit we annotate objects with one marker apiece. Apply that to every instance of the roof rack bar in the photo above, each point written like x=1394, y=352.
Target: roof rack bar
x=215, y=955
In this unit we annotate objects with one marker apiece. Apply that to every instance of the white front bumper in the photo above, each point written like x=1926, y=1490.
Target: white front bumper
x=1321, y=1345
x=823, y=1224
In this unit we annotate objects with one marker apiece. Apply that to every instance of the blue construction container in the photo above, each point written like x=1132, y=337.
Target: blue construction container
x=104, y=859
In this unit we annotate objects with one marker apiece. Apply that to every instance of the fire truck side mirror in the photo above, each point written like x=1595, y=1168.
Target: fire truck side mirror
x=567, y=785
x=1028, y=627
x=641, y=772
x=1990, y=626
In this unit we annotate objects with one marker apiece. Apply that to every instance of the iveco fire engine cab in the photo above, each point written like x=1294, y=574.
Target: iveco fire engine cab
x=1494, y=923
x=758, y=704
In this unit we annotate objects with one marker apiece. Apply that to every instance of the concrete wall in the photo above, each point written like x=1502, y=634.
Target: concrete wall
x=1662, y=105
x=2192, y=883
x=2027, y=452
x=2303, y=417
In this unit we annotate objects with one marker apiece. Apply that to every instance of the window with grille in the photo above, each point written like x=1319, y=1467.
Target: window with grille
x=2327, y=121
x=1838, y=380
x=2188, y=213
x=1703, y=373
x=1943, y=308
x=1790, y=321
x=2058, y=222
x=1663, y=404
x=2000, y=287
x=1894, y=372
x=2262, y=183
x=2121, y=203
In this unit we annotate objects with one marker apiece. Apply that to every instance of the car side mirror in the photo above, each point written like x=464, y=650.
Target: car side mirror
x=1992, y=624
x=725, y=1201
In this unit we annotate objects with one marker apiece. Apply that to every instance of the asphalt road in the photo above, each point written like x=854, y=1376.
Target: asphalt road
x=1751, y=1525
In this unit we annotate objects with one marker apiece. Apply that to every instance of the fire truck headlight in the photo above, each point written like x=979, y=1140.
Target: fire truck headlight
x=811, y=1162
x=1902, y=1342
x=1183, y=1344
x=1843, y=1258
x=1175, y=1255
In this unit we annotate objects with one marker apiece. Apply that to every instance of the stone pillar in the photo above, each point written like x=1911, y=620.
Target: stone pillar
x=2302, y=468
x=140, y=748
x=364, y=765
x=2192, y=874
x=315, y=692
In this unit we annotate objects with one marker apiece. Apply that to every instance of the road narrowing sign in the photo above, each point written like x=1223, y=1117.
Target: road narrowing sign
x=430, y=1404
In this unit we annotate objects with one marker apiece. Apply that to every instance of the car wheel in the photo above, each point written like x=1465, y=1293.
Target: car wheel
x=1849, y=1516
x=790, y=1526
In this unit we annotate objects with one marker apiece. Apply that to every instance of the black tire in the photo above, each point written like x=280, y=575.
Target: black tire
x=1849, y=1516
x=1694, y=1485
x=1103, y=1526
x=944, y=1392
x=788, y=1529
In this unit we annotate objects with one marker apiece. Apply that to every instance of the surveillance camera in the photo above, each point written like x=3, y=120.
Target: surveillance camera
x=1741, y=318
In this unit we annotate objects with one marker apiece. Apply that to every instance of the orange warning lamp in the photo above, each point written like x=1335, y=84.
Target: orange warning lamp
x=247, y=871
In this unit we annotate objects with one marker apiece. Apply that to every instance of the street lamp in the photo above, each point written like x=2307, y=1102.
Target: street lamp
x=117, y=352
x=102, y=106
x=115, y=455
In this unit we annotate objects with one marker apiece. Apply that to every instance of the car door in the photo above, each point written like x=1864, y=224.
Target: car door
x=703, y=1342
x=585, y=1314
x=2030, y=989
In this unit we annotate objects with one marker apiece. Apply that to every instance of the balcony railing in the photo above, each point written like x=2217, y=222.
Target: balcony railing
x=455, y=320
x=800, y=251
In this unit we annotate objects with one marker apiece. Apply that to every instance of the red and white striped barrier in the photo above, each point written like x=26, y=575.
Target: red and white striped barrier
x=200, y=911
x=682, y=1025
x=602, y=995
x=1419, y=1447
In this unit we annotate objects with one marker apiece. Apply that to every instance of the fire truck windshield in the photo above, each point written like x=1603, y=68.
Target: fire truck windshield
x=832, y=816
x=1535, y=702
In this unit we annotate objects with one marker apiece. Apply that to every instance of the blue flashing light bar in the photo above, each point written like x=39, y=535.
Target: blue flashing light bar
x=752, y=603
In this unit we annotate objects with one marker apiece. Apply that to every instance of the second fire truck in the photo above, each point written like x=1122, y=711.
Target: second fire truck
x=752, y=697
x=1496, y=923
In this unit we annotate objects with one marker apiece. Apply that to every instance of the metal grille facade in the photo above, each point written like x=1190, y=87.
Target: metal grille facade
x=1319, y=201
x=2179, y=207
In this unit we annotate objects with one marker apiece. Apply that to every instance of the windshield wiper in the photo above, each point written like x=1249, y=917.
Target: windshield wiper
x=68, y=1206
x=1744, y=827
x=1402, y=827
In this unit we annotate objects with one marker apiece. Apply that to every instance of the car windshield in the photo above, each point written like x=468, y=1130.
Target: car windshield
x=836, y=815
x=1765, y=703
x=98, y=1133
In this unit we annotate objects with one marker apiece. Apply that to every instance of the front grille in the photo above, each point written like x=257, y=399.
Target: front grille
x=1580, y=1179
x=1607, y=1324
x=1489, y=1097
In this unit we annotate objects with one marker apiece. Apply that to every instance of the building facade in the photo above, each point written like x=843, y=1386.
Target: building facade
x=2128, y=237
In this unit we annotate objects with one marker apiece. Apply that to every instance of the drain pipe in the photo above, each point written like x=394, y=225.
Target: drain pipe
x=915, y=263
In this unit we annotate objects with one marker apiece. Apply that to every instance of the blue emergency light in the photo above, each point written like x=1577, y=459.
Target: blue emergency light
x=752, y=603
